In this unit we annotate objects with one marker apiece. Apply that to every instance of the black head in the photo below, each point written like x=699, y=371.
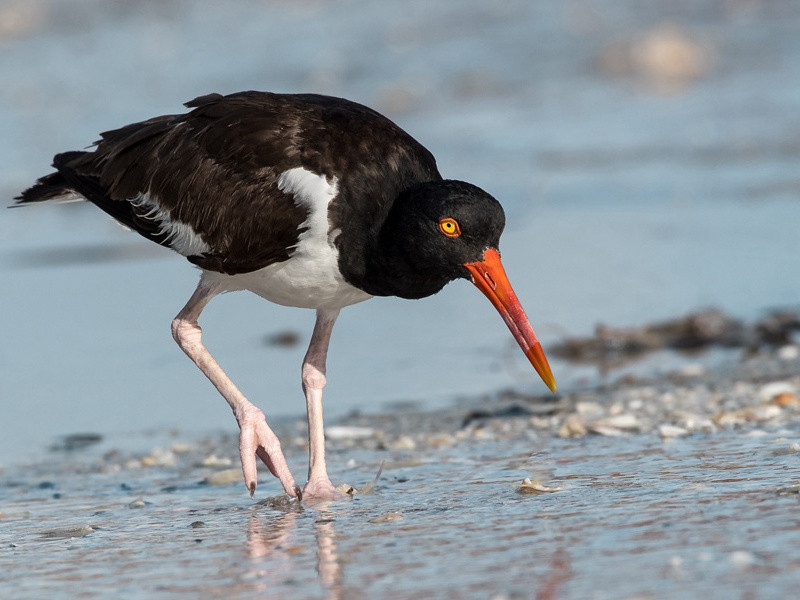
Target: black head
x=444, y=230
x=433, y=230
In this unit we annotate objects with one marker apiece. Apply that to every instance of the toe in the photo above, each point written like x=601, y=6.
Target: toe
x=321, y=491
x=257, y=439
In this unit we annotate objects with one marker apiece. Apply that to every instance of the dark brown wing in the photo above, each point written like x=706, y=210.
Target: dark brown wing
x=216, y=169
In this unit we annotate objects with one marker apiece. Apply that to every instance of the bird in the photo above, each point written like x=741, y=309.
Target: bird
x=306, y=200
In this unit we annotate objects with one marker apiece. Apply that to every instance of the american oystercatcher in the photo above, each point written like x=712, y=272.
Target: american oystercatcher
x=306, y=200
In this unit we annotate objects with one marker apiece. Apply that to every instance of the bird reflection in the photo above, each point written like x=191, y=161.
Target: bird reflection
x=329, y=568
x=271, y=537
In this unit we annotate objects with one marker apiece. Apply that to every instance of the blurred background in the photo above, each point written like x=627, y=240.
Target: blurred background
x=646, y=153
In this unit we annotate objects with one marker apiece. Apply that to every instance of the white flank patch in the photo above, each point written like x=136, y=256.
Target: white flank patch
x=314, y=193
x=310, y=278
x=180, y=236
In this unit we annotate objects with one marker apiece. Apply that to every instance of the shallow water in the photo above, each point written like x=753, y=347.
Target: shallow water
x=635, y=518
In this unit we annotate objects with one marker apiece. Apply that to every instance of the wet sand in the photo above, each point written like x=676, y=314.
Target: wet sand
x=691, y=477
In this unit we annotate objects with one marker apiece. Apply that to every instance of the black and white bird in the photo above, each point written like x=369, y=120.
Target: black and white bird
x=306, y=200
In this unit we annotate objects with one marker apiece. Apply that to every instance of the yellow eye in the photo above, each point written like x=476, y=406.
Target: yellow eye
x=449, y=227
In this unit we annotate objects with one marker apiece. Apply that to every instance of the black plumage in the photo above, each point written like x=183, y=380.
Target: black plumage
x=219, y=165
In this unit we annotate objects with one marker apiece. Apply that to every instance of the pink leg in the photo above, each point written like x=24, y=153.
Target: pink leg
x=255, y=438
x=319, y=486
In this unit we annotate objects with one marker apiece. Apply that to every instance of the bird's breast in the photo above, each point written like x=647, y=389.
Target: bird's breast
x=305, y=281
x=310, y=277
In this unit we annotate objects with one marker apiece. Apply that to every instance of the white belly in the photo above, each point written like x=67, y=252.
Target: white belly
x=303, y=281
x=310, y=278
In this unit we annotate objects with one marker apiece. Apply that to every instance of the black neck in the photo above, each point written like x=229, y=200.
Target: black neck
x=406, y=254
x=391, y=270
x=392, y=261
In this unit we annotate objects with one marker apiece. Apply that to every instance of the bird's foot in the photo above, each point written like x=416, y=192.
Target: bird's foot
x=321, y=490
x=257, y=439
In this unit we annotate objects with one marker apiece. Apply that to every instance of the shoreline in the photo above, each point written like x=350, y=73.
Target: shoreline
x=762, y=390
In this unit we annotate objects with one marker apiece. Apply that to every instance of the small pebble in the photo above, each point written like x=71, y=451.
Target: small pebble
x=212, y=460
x=694, y=422
x=676, y=566
x=159, y=458
x=621, y=421
x=182, y=447
x=671, y=431
x=789, y=352
x=347, y=489
x=787, y=491
x=607, y=431
x=748, y=414
x=539, y=422
x=404, y=442
x=343, y=432
x=573, y=427
x=730, y=419
x=197, y=524
x=756, y=433
x=742, y=559
x=440, y=440
x=78, y=441
x=785, y=399
x=617, y=408
x=224, y=477
x=691, y=370
x=138, y=503
x=282, y=502
x=770, y=390
x=764, y=413
x=588, y=408
x=535, y=487
x=615, y=425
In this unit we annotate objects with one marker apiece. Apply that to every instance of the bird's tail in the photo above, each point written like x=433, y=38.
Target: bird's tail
x=52, y=186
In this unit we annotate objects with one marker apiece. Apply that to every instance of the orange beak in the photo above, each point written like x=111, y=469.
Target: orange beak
x=489, y=276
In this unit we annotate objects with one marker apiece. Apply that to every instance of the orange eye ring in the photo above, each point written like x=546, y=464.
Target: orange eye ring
x=449, y=227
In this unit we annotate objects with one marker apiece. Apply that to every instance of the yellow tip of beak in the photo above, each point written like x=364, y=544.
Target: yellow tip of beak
x=537, y=358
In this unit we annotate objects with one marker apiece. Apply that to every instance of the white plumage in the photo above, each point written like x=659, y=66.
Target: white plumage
x=180, y=236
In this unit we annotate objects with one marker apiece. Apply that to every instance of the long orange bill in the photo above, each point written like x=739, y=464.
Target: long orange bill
x=489, y=276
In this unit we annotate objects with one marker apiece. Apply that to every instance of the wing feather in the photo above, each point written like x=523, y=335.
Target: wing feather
x=215, y=170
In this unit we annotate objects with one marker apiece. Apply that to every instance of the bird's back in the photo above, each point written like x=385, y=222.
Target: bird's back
x=206, y=183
